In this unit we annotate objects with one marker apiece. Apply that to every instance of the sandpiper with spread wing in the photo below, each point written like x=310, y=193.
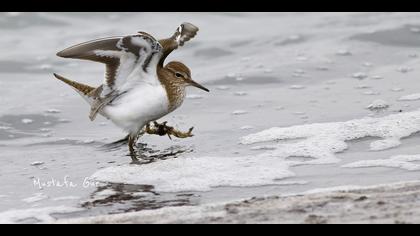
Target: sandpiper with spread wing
x=138, y=88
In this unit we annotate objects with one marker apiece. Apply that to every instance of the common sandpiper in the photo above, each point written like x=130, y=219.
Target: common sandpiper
x=138, y=88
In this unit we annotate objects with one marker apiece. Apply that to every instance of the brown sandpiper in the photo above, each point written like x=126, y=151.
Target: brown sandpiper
x=138, y=88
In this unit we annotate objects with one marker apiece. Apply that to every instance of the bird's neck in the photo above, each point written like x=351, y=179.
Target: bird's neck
x=174, y=91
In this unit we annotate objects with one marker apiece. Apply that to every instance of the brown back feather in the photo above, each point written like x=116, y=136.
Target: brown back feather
x=85, y=89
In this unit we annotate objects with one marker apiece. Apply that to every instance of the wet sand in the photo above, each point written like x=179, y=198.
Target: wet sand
x=388, y=204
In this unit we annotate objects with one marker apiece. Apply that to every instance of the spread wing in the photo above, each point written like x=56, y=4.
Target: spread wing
x=183, y=33
x=121, y=55
x=124, y=54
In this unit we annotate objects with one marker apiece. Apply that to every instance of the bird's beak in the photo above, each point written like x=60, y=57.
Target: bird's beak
x=197, y=85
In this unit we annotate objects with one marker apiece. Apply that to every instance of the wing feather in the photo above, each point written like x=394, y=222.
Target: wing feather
x=124, y=54
x=184, y=33
x=120, y=55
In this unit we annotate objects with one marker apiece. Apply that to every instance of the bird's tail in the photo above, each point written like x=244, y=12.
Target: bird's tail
x=82, y=89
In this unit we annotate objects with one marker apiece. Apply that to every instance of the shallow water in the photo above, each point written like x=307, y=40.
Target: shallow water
x=405, y=36
x=300, y=72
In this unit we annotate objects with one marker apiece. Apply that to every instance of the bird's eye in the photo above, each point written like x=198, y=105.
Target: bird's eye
x=178, y=75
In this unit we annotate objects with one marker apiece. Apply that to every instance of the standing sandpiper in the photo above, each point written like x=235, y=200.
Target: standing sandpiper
x=138, y=88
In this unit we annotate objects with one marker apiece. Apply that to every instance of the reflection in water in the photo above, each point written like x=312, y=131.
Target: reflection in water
x=147, y=154
x=120, y=198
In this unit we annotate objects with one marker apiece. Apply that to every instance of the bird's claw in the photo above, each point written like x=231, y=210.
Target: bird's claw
x=163, y=129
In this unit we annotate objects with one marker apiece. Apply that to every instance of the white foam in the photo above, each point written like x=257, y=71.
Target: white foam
x=199, y=173
x=344, y=52
x=316, y=143
x=298, y=73
x=400, y=161
x=321, y=141
x=37, y=215
x=377, y=77
x=247, y=127
x=297, y=86
x=64, y=120
x=378, y=105
x=27, y=121
x=239, y=112
x=359, y=75
x=411, y=97
x=370, y=92
x=52, y=111
x=367, y=64
x=37, y=163
x=384, y=144
x=87, y=141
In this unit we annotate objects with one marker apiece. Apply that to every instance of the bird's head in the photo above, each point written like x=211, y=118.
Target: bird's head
x=181, y=75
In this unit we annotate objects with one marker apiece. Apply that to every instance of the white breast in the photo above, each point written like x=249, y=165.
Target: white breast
x=143, y=99
x=138, y=106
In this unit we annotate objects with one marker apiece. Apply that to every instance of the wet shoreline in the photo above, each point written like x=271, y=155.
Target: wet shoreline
x=392, y=203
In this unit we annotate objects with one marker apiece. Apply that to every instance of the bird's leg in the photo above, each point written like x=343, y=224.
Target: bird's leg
x=163, y=129
x=131, y=144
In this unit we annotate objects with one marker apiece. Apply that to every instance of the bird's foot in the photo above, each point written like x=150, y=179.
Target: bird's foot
x=163, y=129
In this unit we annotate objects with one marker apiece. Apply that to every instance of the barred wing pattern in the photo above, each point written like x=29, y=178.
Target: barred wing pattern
x=121, y=55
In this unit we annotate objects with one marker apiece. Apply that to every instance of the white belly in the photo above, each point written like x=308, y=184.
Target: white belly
x=134, y=109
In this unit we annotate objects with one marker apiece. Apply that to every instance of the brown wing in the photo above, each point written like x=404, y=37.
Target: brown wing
x=87, y=51
x=121, y=55
x=114, y=52
x=184, y=33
